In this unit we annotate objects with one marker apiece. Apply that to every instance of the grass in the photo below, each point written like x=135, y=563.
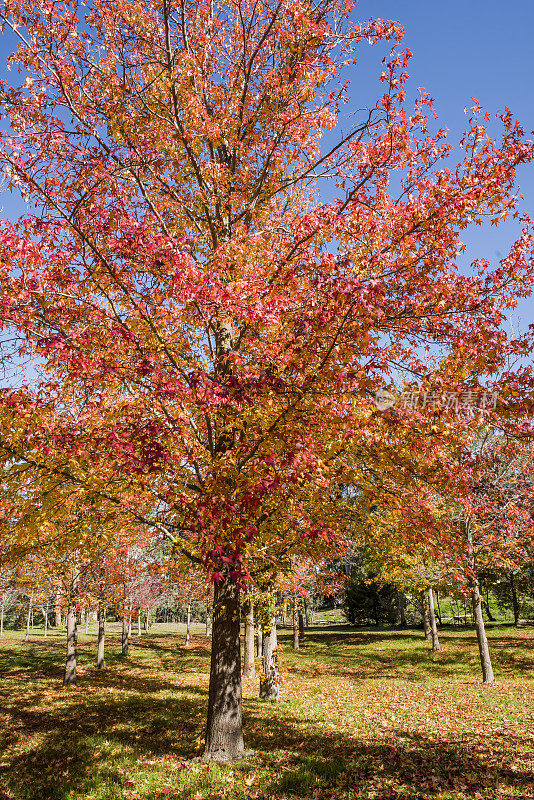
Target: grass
x=366, y=714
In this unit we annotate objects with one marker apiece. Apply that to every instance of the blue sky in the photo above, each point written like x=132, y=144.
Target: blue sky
x=475, y=48
x=461, y=49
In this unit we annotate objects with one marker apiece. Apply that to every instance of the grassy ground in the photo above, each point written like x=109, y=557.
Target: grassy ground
x=365, y=714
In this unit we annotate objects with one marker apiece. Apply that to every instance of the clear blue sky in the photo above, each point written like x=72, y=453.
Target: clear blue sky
x=461, y=49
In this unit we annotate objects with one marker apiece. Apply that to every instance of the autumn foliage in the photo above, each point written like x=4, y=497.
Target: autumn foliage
x=209, y=336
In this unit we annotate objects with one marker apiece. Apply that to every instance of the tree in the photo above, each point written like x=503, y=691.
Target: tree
x=211, y=336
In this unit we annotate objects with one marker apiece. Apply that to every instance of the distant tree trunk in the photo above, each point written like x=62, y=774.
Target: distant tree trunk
x=86, y=615
x=269, y=681
x=401, y=604
x=28, y=619
x=486, y=605
x=249, y=670
x=125, y=633
x=426, y=620
x=515, y=601
x=483, y=649
x=188, y=630
x=432, y=617
x=58, y=608
x=301, y=625
x=147, y=616
x=45, y=620
x=224, y=728
x=259, y=650
x=139, y=622
x=284, y=613
x=296, y=643
x=2, y=614
x=101, y=637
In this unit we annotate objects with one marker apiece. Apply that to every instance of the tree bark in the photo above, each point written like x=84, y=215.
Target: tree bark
x=101, y=638
x=45, y=620
x=139, y=622
x=426, y=621
x=296, y=643
x=249, y=670
x=270, y=680
x=301, y=625
x=2, y=615
x=147, y=627
x=432, y=617
x=515, y=601
x=69, y=677
x=125, y=634
x=58, y=609
x=188, y=631
x=483, y=649
x=224, y=729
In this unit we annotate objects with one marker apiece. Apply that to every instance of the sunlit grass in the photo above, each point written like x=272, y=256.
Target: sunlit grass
x=365, y=714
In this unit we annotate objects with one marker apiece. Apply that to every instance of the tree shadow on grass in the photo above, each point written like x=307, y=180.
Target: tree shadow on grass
x=319, y=763
x=65, y=759
x=407, y=656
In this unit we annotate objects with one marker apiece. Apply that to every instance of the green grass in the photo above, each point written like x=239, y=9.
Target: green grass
x=365, y=714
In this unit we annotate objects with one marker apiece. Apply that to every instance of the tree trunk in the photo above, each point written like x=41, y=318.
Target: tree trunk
x=259, y=646
x=301, y=625
x=45, y=620
x=2, y=615
x=249, y=670
x=515, y=602
x=139, y=623
x=147, y=626
x=426, y=621
x=188, y=631
x=125, y=634
x=296, y=643
x=101, y=638
x=483, y=649
x=224, y=728
x=28, y=620
x=401, y=605
x=270, y=681
x=432, y=617
x=58, y=609
x=69, y=677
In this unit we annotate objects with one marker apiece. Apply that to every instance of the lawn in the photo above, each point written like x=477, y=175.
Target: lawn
x=365, y=714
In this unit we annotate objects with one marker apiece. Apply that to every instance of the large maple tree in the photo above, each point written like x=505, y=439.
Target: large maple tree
x=209, y=334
